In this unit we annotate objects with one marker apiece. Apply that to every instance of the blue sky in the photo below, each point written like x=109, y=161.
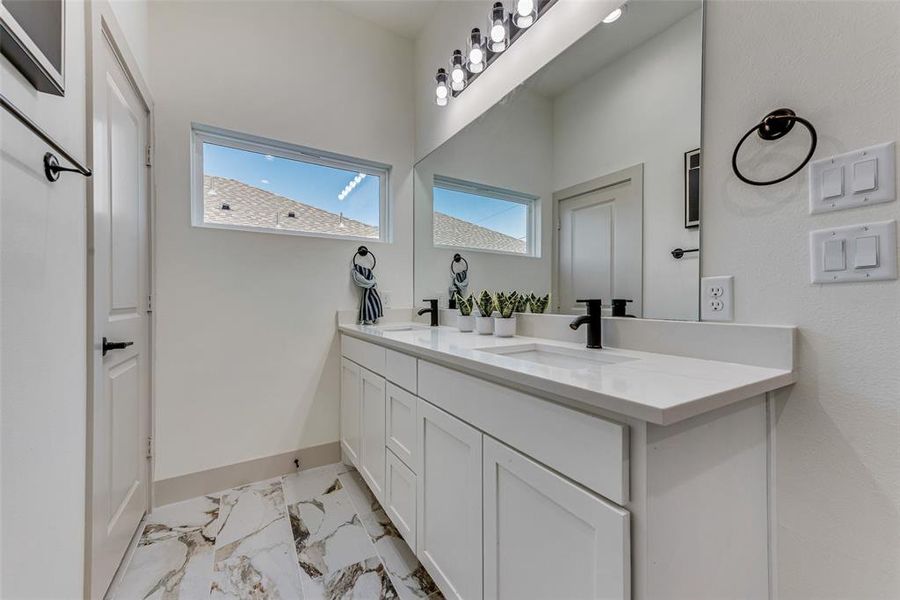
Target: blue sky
x=316, y=185
x=504, y=216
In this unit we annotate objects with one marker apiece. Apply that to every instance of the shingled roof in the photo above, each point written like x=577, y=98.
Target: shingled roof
x=450, y=231
x=248, y=205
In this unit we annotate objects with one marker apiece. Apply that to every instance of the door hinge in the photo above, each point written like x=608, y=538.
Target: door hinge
x=149, y=303
x=149, y=156
x=149, y=446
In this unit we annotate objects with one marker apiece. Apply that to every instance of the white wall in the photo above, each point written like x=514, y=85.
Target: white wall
x=247, y=358
x=643, y=108
x=838, y=428
x=521, y=161
x=132, y=17
x=43, y=362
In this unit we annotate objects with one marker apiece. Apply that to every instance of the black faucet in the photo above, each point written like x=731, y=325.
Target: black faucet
x=592, y=318
x=433, y=309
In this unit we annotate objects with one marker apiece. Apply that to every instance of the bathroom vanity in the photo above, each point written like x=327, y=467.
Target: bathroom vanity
x=534, y=468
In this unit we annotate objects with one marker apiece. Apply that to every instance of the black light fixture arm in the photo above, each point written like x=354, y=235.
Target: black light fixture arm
x=680, y=252
x=51, y=164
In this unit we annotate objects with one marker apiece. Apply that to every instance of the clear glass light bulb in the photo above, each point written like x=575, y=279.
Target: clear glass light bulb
x=525, y=7
x=457, y=75
x=441, y=91
x=498, y=33
x=476, y=55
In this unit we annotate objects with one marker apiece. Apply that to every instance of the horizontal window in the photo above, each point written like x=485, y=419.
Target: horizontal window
x=478, y=217
x=250, y=183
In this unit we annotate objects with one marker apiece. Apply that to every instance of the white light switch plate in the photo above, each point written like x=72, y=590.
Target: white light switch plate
x=717, y=298
x=864, y=252
x=857, y=178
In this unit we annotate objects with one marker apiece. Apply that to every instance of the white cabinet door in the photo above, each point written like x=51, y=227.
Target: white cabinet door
x=400, y=498
x=372, y=448
x=448, y=502
x=401, y=424
x=350, y=409
x=545, y=537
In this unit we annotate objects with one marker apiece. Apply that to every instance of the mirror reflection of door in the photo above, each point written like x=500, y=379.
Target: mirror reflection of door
x=600, y=248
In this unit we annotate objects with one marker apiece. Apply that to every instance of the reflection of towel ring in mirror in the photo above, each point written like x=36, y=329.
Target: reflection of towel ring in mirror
x=363, y=251
x=776, y=125
x=457, y=258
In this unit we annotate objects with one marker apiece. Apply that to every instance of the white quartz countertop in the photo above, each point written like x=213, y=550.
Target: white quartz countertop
x=657, y=388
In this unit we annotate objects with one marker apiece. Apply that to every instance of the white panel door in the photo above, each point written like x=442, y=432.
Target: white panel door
x=120, y=272
x=350, y=409
x=545, y=537
x=600, y=243
x=372, y=445
x=448, y=502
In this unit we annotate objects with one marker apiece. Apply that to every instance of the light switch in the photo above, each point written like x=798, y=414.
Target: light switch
x=862, y=177
x=853, y=253
x=834, y=255
x=866, y=252
x=833, y=182
x=865, y=175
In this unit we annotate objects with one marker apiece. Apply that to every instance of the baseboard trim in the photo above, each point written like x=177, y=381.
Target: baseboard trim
x=183, y=487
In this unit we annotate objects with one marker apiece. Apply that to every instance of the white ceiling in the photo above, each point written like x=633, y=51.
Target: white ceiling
x=643, y=19
x=406, y=18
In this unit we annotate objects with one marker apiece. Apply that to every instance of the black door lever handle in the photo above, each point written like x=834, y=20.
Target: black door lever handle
x=107, y=345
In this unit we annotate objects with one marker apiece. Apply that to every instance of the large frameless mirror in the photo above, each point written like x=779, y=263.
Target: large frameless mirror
x=581, y=183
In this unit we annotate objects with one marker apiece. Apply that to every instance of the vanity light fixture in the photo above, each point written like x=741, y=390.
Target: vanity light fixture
x=525, y=14
x=498, y=28
x=614, y=15
x=503, y=29
x=441, y=90
x=476, y=52
x=457, y=72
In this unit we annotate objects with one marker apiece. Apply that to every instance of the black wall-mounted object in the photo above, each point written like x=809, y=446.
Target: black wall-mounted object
x=692, y=188
x=457, y=258
x=680, y=252
x=775, y=126
x=51, y=163
x=363, y=251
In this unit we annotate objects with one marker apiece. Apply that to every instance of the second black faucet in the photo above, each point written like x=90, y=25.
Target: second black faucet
x=592, y=318
x=433, y=309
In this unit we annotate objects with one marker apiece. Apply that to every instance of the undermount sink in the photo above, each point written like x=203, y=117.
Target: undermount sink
x=561, y=358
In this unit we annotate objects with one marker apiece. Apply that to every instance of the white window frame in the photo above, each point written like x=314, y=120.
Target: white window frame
x=202, y=134
x=532, y=203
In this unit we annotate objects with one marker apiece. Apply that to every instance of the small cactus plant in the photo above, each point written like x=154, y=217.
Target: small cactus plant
x=465, y=305
x=506, y=303
x=539, y=305
x=486, y=304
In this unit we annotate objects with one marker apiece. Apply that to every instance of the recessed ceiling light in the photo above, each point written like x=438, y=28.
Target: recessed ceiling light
x=613, y=16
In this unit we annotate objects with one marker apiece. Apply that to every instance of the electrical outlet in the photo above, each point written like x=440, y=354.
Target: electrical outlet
x=717, y=298
x=385, y=299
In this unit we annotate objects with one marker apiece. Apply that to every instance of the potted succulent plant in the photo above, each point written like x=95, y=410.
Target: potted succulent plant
x=539, y=305
x=465, y=321
x=484, y=322
x=505, y=322
x=522, y=302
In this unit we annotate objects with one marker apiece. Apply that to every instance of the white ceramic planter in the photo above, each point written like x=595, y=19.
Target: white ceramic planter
x=504, y=327
x=465, y=322
x=484, y=325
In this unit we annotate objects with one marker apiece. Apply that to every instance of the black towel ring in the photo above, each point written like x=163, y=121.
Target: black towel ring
x=776, y=125
x=456, y=259
x=363, y=251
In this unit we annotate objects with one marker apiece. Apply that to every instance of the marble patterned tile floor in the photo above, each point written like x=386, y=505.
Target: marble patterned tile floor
x=312, y=535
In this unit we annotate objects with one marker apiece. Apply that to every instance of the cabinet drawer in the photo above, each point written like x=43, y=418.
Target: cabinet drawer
x=400, y=498
x=363, y=353
x=590, y=450
x=401, y=424
x=400, y=369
